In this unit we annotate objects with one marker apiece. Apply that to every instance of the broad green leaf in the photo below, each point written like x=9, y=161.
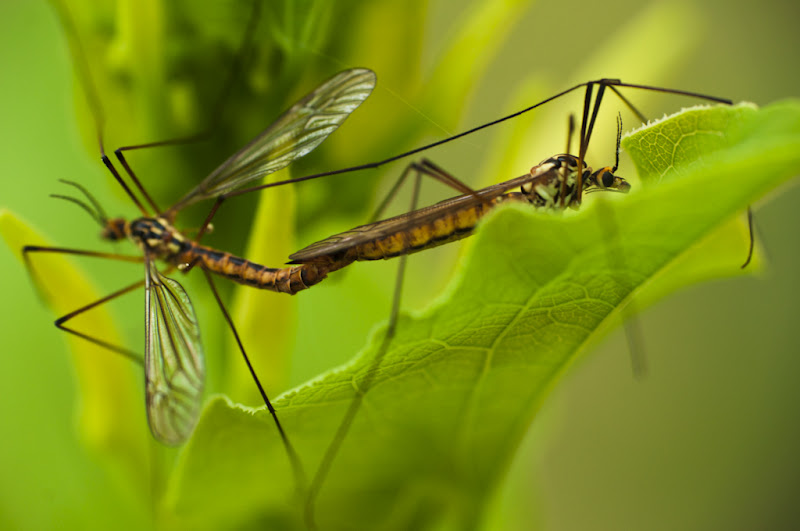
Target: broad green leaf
x=668, y=149
x=459, y=385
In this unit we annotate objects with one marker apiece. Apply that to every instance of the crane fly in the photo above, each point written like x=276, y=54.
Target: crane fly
x=174, y=369
x=173, y=352
x=173, y=358
x=453, y=219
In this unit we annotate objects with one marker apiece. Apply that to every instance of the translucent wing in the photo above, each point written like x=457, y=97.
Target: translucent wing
x=173, y=359
x=296, y=133
x=404, y=222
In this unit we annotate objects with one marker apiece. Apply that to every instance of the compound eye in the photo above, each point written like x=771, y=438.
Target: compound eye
x=608, y=179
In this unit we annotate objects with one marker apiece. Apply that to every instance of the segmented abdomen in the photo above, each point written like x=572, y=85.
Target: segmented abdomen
x=448, y=227
x=283, y=280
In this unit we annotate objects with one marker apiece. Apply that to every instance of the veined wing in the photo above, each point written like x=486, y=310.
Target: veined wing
x=173, y=359
x=294, y=134
x=404, y=222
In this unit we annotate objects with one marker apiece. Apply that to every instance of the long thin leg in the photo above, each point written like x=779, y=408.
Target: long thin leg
x=438, y=173
x=63, y=319
x=124, y=185
x=565, y=170
x=633, y=330
x=105, y=344
x=297, y=467
x=64, y=250
x=635, y=339
x=630, y=105
x=341, y=433
x=80, y=252
x=570, y=131
x=595, y=110
x=393, y=192
x=586, y=135
x=429, y=169
x=587, y=99
x=752, y=237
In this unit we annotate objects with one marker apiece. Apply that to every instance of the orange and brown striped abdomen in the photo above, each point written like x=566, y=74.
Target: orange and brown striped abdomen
x=283, y=280
x=446, y=228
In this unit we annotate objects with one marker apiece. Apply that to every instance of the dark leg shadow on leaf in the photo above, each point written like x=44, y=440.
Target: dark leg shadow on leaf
x=618, y=266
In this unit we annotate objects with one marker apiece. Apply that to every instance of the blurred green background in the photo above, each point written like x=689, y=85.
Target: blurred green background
x=707, y=441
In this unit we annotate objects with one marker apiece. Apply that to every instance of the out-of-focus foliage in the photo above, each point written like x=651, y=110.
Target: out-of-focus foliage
x=697, y=443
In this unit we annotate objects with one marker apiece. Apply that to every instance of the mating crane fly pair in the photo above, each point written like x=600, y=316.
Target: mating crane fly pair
x=173, y=352
x=173, y=357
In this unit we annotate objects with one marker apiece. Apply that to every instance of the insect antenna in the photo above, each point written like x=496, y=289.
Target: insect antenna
x=95, y=210
x=616, y=161
x=628, y=104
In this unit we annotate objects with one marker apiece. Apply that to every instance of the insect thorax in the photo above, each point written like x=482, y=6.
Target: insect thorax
x=156, y=236
x=545, y=191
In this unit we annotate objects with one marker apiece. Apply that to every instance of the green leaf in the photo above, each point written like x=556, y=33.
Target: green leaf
x=669, y=149
x=460, y=384
x=672, y=148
